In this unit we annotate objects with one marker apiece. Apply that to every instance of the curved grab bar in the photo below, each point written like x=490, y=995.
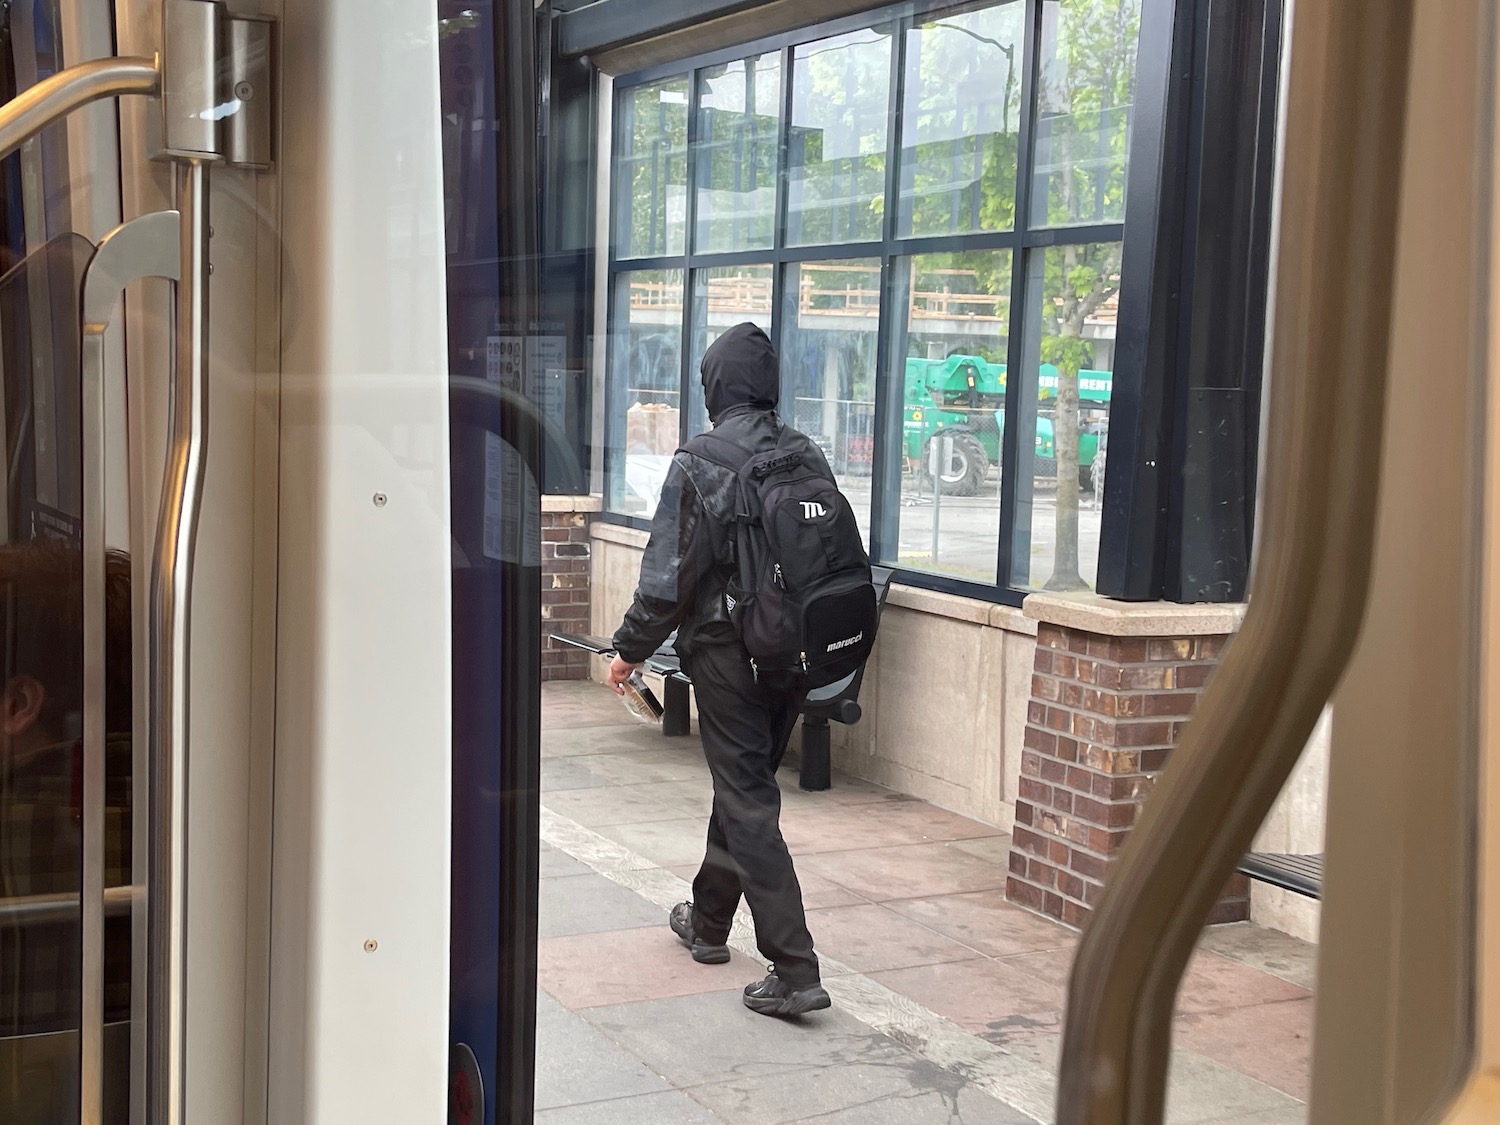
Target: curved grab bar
x=1326, y=407
x=143, y=247
x=58, y=95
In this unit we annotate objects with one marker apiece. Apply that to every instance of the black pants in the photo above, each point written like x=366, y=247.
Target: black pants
x=745, y=726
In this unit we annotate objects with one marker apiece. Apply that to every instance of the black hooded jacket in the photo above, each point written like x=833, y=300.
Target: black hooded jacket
x=690, y=557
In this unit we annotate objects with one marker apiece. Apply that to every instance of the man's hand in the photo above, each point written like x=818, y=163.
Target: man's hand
x=619, y=672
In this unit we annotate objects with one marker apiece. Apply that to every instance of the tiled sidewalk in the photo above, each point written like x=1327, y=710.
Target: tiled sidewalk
x=947, y=1000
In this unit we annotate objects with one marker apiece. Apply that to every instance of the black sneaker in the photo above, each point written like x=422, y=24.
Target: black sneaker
x=681, y=920
x=774, y=997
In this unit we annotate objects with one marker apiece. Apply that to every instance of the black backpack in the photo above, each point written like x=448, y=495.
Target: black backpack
x=802, y=597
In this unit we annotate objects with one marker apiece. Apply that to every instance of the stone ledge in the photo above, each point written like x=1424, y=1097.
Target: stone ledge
x=1089, y=613
x=618, y=533
x=593, y=503
x=956, y=607
x=937, y=604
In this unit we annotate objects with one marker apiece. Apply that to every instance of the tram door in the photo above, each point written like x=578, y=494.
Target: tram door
x=225, y=565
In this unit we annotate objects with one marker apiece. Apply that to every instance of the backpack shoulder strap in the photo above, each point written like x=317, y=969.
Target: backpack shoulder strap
x=721, y=451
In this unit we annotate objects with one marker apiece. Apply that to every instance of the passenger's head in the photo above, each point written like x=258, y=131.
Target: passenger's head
x=740, y=369
x=41, y=631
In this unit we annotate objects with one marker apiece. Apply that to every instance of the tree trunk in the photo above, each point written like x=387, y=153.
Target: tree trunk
x=1065, y=574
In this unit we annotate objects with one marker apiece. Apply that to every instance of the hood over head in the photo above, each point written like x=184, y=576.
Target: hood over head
x=740, y=369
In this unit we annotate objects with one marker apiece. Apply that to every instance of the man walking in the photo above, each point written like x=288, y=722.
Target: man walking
x=745, y=717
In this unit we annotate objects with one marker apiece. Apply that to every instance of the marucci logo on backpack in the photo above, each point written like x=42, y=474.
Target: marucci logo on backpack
x=802, y=596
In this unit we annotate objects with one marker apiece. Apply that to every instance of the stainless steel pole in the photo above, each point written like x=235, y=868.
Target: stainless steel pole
x=171, y=594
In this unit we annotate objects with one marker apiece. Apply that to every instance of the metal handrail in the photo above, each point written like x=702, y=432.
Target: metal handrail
x=53, y=98
x=146, y=246
x=1324, y=424
x=36, y=910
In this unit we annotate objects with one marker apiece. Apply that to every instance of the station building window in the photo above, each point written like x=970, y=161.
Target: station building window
x=913, y=205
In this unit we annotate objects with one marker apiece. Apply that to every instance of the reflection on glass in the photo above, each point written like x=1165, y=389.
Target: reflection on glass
x=651, y=170
x=723, y=297
x=645, y=377
x=830, y=321
x=739, y=122
x=960, y=122
x=1085, y=94
x=951, y=352
x=837, y=145
x=1072, y=355
x=41, y=693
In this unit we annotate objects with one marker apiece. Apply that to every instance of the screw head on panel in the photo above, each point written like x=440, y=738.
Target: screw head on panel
x=244, y=91
x=371, y=945
x=380, y=499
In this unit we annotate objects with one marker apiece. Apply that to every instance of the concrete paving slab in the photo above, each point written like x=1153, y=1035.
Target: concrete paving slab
x=611, y=804
x=1269, y=950
x=908, y=1091
x=838, y=828
x=588, y=904
x=1199, y=1090
x=1271, y=1042
x=666, y=843
x=1211, y=984
x=643, y=767
x=870, y=938
x=568, y=742
x=993, y=849
x=669, y=1108
x=991, y=999
x=576, y=1063
x=692, y=796
x=595, y=970
x=695, y=1040
x=569, y=773
x=987, y=922
x=817, y=892
x=555, y=864
x=910, y=871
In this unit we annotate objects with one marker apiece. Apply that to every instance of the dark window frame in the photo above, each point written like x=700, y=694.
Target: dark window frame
x=1025, y=242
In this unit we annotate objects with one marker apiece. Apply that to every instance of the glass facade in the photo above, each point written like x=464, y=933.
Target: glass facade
x=912, y=205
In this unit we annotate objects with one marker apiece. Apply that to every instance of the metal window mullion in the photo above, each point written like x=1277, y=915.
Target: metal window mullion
x=689, y=282
x=784, y=150
x=1015, y=344
x=1074, y=235
x=946, y=243
x=885, y=456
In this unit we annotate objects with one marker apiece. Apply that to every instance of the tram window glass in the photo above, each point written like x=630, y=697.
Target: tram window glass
x=651, y=170
x=645, y=377
x=830, y=330
x=739, y=129
x=896, y=253
x=961, y=122
x=836, y=148
x=951, y=351
x=1085, y=94
x=1069, y=362
x=723, y=297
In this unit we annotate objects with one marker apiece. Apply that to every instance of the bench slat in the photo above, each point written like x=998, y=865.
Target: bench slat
x=1301, y=874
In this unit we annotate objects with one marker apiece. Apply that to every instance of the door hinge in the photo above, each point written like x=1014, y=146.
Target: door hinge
x=217, y=88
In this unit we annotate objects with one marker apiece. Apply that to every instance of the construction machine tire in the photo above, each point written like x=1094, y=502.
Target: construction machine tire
x=968, y=469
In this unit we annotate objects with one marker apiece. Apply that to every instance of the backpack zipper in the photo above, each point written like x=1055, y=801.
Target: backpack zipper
x=776, y=574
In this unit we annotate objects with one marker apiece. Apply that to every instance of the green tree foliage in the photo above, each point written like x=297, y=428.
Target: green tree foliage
x=1085, y=93
x=652, y=167
x=962, y=120
x=837, y=143
x=738, y=135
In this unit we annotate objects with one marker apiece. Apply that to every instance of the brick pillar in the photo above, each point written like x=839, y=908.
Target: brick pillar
x=565, y=582
x=1107, y=706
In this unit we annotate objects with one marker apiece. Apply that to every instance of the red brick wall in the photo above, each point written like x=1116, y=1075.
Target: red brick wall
x=1104, y=716
x=565, y=592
